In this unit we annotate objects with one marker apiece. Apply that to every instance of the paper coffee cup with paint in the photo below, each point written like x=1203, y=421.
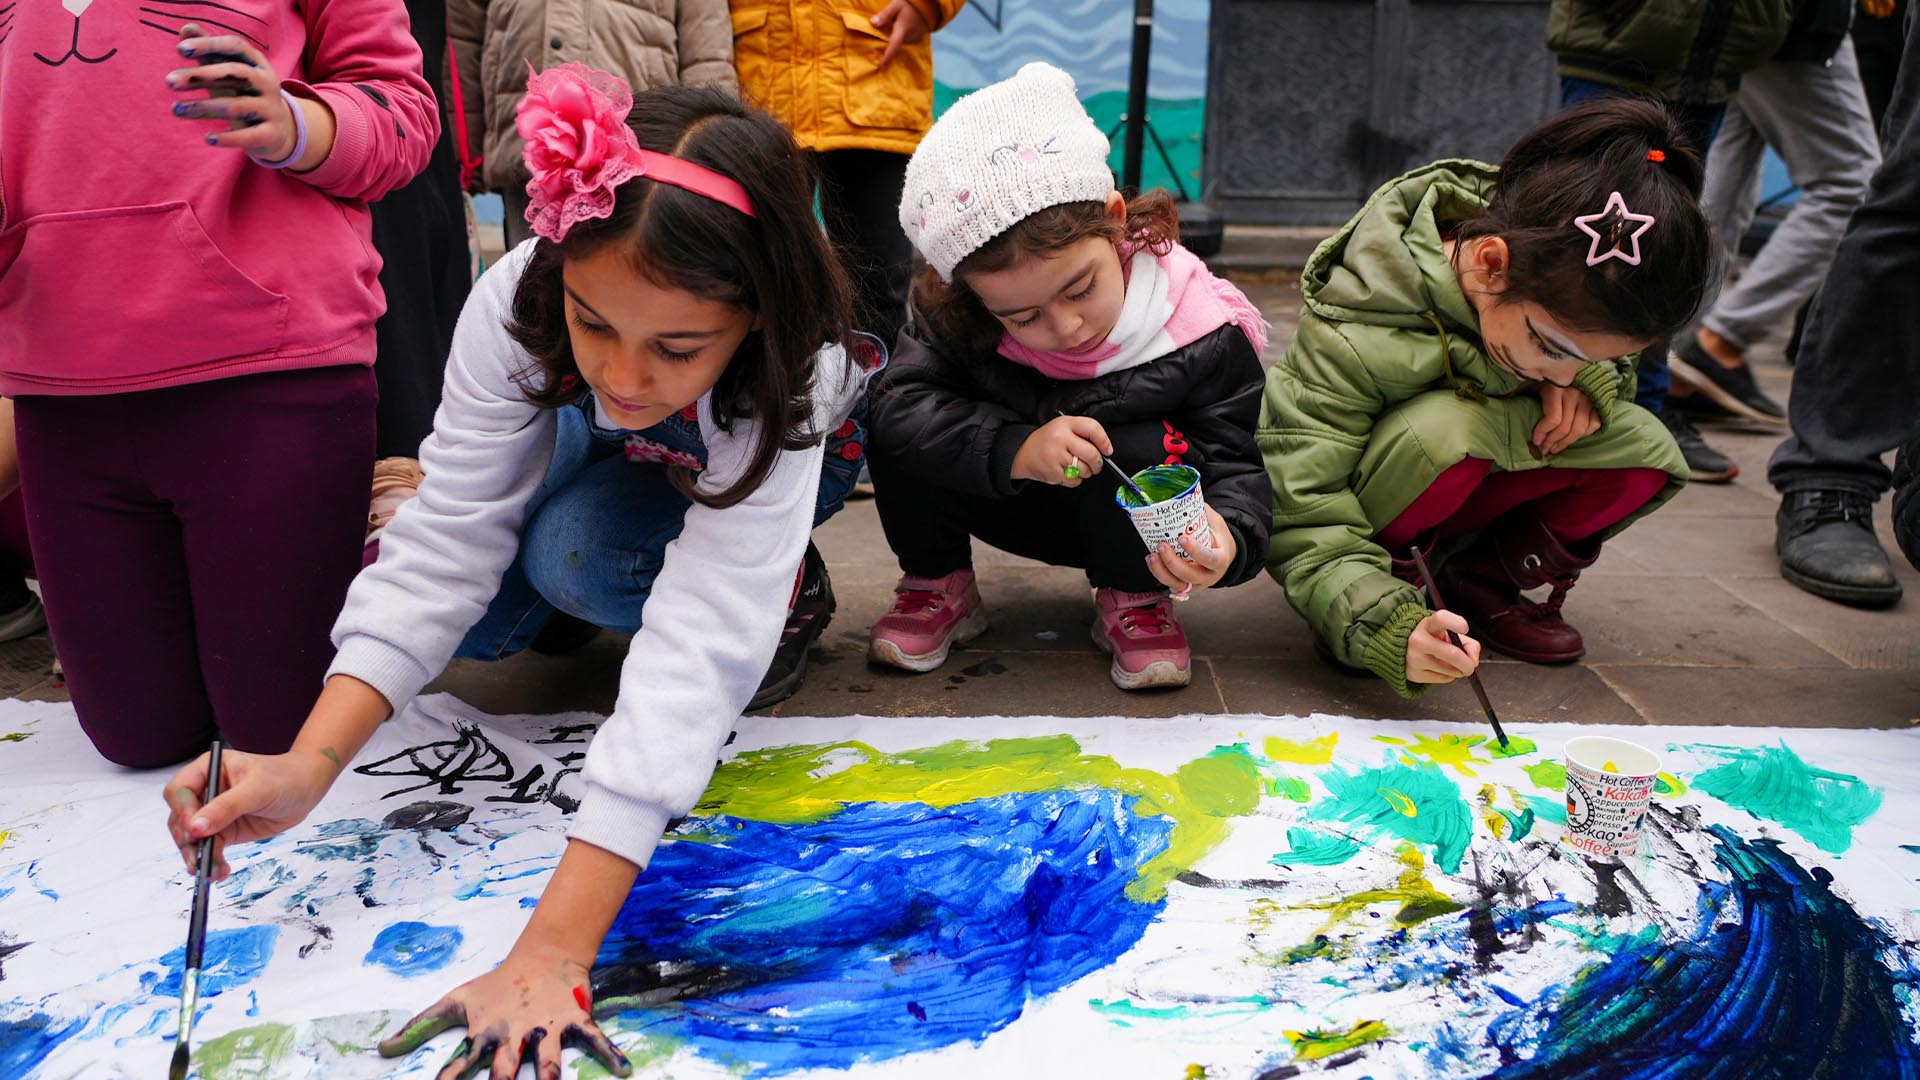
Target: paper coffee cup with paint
x=1174, y=503
x=1609, y=783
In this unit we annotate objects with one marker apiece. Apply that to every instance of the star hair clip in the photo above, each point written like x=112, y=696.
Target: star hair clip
x=1618, y=228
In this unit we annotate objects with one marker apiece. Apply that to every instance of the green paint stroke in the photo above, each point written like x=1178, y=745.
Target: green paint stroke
x=1551, y=775
x=1516, y=747
x=1773, y=783
x=1417, y=803
x=1314, y=1045
x=251, y=1053
x=1316, y=847
x=1122, y=1012
x=16, y=736
x=1419, y=900
x=793, y=785
x=1290, y=786
x=1317, y=752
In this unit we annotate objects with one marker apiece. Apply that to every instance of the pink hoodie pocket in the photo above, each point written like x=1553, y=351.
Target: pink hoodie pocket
x=105, y=297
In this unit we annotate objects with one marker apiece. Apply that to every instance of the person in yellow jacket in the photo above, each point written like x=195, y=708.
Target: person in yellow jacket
x=854, y=80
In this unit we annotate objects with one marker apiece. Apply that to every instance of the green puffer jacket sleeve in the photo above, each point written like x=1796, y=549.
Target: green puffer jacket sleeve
x=1318, y=412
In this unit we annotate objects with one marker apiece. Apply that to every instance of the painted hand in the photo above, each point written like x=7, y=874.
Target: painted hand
x=909, y=26
x=1076, y=441
x=1569, y=417
x=1210, y=558
x=1431, y=658
x=260, y=796
x=537, y=1003
x=257, y=117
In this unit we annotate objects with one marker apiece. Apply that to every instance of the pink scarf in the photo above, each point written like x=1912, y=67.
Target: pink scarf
x=1172, y=301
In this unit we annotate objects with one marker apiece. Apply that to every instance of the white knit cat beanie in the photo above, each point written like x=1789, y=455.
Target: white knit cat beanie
x=999, y=154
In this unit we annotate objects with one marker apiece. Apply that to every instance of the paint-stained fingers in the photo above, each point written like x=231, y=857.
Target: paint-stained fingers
x=443, y=1014
x=234, y=110
x=546, y=1055
x=221, y=46
x=232, y=75
x=467, y=1059
x=506, y=1059
x=590, y=1040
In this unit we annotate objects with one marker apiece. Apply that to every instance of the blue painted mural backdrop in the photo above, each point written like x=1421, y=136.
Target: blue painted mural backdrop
x=1091, y=40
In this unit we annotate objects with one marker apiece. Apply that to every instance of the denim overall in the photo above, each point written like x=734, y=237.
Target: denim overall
x=597, y=530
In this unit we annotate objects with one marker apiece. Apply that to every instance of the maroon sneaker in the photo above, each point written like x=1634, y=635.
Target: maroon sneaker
x=928, y=618
x=1149, y=648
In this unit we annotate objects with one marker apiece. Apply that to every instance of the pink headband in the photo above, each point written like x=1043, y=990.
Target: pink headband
x=580, y=149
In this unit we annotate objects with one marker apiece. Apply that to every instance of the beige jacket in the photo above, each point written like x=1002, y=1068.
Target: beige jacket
x=648, y=42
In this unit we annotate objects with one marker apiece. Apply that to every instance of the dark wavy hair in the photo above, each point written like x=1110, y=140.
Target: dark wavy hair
x=960, y=321
x=1568, y=167
x=776, y=266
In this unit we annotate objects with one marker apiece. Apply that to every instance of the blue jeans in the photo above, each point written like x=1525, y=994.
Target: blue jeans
x=597, y=531
x=1701, y=123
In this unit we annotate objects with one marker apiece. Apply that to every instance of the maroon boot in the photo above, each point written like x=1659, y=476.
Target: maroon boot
x=1484, y=584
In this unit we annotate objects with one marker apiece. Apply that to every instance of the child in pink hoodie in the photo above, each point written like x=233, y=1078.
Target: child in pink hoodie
x=187, y=302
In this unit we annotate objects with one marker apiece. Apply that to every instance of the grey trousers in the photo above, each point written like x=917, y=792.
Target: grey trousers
x=1815, y=117
x=1856, y=384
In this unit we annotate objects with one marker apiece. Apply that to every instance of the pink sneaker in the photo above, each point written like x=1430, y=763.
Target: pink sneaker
x=1149, y=648
x=929, y=617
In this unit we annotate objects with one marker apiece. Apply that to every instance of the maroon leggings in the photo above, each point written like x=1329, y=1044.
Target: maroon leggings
x=1572, y=503
x=194, y=545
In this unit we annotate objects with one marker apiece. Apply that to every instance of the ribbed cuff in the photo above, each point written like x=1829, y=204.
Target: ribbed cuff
x=351, y=142
x=1386, y=653
x=382, y=665
x=1601, y=383
x=630, y=828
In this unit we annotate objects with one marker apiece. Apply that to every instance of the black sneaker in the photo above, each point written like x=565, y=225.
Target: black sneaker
x=1733, y=389
x=1827, y=547
x=1709, y=466
x=807, y=619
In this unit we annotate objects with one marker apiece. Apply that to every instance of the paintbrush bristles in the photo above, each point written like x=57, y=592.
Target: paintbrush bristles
x=196, y=928
x=178, y=1070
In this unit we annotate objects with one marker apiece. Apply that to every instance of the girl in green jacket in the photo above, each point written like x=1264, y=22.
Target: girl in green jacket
x=1462, y=380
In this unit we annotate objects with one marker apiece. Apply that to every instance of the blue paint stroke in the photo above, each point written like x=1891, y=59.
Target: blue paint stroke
x=414, y=948
x=1796, y=985
x=886, y=930
x=529, y=901
x=25, y=1042
x=231, y=958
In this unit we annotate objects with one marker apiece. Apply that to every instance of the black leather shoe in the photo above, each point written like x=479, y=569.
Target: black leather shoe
x=1733, y=389
x=1827, y=547
x=1709, y=466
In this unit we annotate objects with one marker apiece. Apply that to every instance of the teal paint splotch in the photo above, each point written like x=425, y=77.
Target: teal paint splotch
x=1774, y=784
x=414, y=948
x=1316, y=847
x=1414, y=802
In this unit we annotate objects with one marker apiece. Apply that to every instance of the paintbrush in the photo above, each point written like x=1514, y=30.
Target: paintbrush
x=1479, y=691
x=1118, y=472
x=196, y=930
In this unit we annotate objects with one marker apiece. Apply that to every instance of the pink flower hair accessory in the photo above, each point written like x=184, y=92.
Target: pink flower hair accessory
x=573, y=124
x=1614, y=221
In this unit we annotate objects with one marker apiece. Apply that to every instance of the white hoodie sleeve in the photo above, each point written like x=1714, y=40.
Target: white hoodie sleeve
x=709, y=631
x=442, y=556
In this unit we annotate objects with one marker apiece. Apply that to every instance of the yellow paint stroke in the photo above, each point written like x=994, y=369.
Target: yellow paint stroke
x=1400, y=802
x=3, y=837
x=1194, y=1072
x=1668, y=786
x=1419, y=900
x=1314, y=1045
x=1317, y=752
